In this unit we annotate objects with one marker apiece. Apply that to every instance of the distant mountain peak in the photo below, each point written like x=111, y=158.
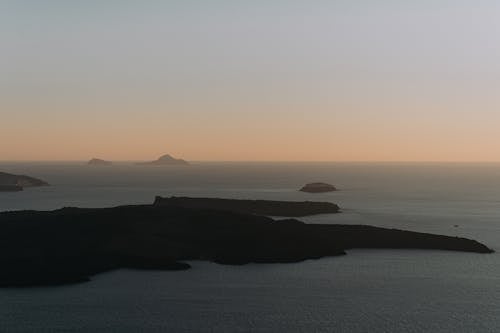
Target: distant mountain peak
x=166, y=159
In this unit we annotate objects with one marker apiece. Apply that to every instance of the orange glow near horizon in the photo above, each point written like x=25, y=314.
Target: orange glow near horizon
x=337, y=81
x=288, y=135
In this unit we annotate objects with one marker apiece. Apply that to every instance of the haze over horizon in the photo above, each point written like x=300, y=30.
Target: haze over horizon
x=261, y=80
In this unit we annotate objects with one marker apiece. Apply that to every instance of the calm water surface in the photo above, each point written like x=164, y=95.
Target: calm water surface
x=365, y=291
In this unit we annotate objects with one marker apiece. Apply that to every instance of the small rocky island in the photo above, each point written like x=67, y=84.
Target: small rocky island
x=99, y=162
x=166, y=160
x=318, y=188
x=16, y=183
x=70, y=245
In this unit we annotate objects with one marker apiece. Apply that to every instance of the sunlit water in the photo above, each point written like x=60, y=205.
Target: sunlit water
x=365, y=291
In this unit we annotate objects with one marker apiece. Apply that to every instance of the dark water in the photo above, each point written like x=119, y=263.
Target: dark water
x=365, y=291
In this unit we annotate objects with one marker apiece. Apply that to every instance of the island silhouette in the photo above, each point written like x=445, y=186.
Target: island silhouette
x=98, y=161
x=70, y=245
x=318, y=188
x=166, y=160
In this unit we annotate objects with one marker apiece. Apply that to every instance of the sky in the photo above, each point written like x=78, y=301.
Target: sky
x=263, y=80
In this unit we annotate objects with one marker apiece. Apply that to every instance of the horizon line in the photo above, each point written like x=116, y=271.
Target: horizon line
x=263, y=161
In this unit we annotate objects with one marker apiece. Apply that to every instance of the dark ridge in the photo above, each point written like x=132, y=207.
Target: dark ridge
x=70, y=245
x=257, y=207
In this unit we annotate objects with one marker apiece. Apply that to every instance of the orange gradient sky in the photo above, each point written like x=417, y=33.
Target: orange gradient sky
x=263, y=80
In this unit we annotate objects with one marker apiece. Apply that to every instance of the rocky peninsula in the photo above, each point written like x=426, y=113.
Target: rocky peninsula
x=15, y=183
x=70, y=245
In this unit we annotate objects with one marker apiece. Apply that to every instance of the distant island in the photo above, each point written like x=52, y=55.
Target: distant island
x=70, y=245
x=15, y=183
x=98, y=161
x=166, y=160
x=318, y=188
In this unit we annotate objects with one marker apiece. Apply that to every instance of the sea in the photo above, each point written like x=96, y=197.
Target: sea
x=365, y=291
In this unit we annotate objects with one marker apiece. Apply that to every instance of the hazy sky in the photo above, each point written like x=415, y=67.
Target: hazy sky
x=250, y=80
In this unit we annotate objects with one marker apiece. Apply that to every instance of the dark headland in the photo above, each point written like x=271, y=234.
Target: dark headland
x=318, y=188
x=70, y=245
x=15, y=183
x=98, y=161
x=166, y=160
